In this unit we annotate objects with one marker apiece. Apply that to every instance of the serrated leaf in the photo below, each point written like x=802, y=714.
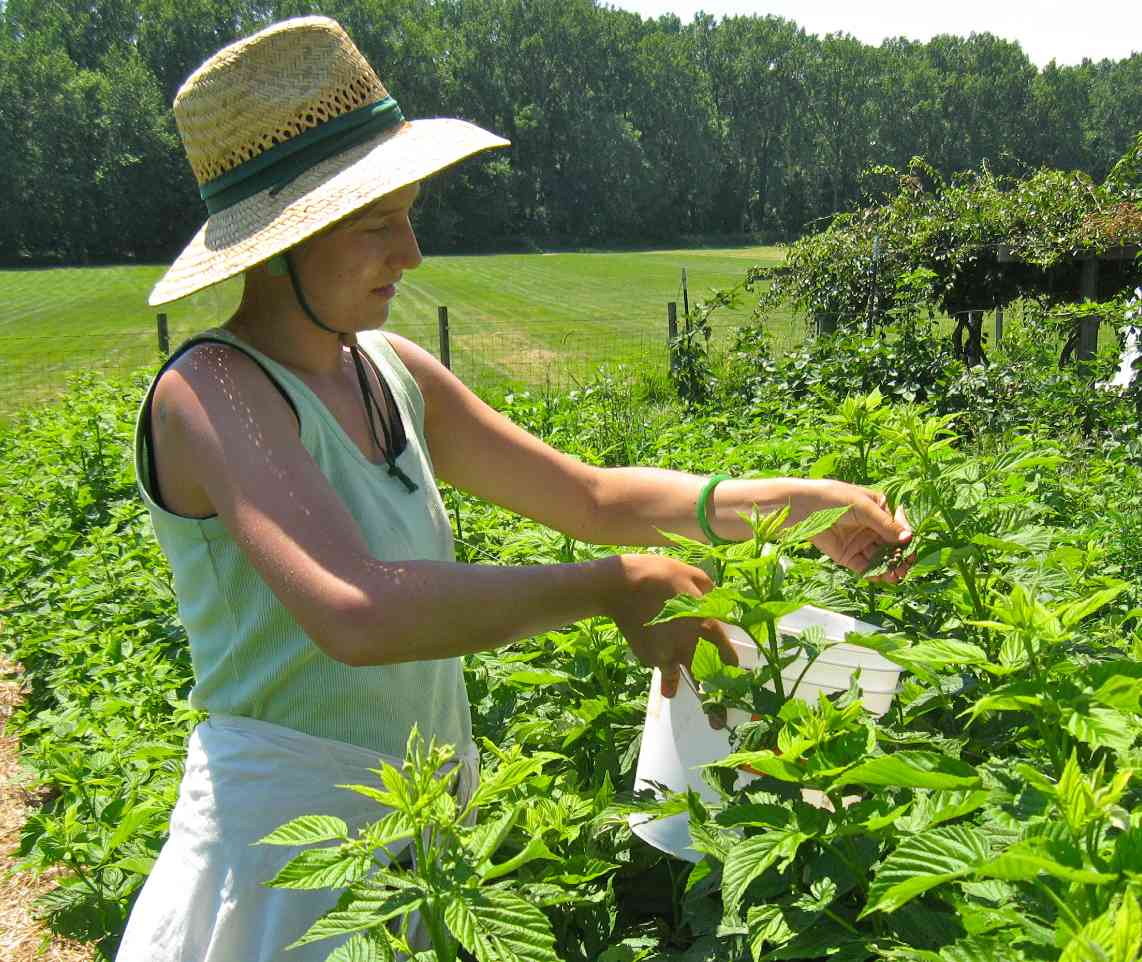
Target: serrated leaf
x=763, y=763
x=1101, y=727
x=393, y=827
x=911, y=769
x=1024, y=861
x=936, y=653
x=753, y=856
x=718, y=604
x=307, y=830
x=364, y=948
x=1115, y=936
x=948, y=805
x=499, y=926
x=767, y=925
x=321, y=868
x=131, y=822
x=363, y=914
x=814, y=524
x=922, y=862
x=484, y=840
x=1121, y=692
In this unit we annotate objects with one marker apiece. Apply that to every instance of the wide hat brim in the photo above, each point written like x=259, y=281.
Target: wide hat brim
x=257, y=228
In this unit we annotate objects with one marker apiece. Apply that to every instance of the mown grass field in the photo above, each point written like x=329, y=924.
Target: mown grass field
x=526, y=319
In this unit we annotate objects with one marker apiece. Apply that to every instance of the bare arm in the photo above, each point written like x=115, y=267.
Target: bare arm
x=226, y=427
x=481, y=451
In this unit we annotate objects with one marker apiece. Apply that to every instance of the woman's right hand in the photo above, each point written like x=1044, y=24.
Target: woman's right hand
x=645, y=583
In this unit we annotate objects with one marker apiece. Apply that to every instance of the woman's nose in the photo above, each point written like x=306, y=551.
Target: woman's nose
x=407, y=251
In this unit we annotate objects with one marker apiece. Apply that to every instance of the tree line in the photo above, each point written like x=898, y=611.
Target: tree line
x=624, y=129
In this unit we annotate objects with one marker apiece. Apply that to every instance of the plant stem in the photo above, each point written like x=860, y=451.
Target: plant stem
x=774, y=660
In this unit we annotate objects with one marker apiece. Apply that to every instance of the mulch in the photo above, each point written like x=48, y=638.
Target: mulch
x=22, y=937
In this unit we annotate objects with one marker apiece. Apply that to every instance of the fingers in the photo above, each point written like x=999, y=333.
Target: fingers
x=713, y=630
x=671, y=674
x=874, y=515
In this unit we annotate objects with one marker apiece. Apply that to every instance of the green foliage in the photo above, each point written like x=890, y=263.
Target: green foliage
x=624, y=129
x=975, y=241
x=995, y=811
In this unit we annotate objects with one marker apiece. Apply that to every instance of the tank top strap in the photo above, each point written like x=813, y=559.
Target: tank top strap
x=146, y=471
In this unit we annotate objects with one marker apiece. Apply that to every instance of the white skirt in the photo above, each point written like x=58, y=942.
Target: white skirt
x=205, y=900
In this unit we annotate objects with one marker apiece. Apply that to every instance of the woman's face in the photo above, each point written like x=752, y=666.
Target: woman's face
x=349, y=274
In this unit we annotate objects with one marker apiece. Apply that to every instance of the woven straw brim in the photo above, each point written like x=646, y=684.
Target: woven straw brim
x=257, y=228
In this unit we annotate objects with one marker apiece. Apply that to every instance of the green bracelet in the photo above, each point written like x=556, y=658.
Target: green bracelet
x=703, y=505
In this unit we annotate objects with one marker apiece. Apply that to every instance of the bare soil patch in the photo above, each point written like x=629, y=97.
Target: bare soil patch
x=22, y=937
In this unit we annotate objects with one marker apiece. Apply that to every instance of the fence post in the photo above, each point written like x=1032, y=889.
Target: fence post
x=998, y=324
x=164, y=336
x=445, y=347
x=671, y=331
x=1088, y=326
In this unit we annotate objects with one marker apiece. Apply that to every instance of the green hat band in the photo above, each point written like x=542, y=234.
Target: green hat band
x=282, y=163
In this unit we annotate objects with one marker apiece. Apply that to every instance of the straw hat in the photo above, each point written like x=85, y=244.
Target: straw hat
x=287, y=132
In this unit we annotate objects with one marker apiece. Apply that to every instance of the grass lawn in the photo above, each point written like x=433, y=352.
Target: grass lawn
x=528, y=319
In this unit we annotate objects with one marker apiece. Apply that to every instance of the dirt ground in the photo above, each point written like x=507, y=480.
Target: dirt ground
x=22, y=938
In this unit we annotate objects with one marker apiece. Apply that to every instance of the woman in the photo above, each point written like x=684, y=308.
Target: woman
x=290, y=472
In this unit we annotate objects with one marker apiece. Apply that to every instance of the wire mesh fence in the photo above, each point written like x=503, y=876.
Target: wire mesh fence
x=488, y=355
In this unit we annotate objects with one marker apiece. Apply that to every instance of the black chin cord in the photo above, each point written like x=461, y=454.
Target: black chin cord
x=394, y=436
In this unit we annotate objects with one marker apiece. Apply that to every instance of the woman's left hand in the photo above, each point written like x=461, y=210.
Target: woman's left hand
x=865, y=531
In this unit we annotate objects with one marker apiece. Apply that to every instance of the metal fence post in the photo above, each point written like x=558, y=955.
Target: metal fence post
x=671, y=331
x=164, y=335
x=445, y=347
x=998, y=324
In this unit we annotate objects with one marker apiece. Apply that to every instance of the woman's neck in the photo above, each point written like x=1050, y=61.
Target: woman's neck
x=271, y=320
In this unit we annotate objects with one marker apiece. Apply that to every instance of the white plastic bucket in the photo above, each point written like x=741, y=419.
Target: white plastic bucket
x=677, y=739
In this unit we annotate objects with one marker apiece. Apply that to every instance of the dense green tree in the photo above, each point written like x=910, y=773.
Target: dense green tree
x=623, y=129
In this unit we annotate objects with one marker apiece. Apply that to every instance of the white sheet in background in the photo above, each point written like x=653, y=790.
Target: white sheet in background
x=204, y=900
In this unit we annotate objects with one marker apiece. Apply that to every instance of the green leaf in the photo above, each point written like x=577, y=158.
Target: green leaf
x=1115, y=936
x=393, y=827
x=1121, y=692
x=824, y=466
x=944, y=806
x=484, y=840
x=751, y=857
x=538, y=678
x=767, y=925
x=1000, y=544
x=307, y=830
x=131, y=822
x=764, y=763
x=364, y=948
x=507, y=775
x=817, y=522
x=935, y=653
x=1101, y=727
x=1016, y=696
x=362, y=915
x=1070, y=615
x=536, y=848
x=911, y=769
x=1025, y=861
x=322, y=868
x=719, y=604
x=922, y=862
x=498, y=926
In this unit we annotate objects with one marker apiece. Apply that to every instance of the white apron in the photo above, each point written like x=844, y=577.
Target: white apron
x=204, y=900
